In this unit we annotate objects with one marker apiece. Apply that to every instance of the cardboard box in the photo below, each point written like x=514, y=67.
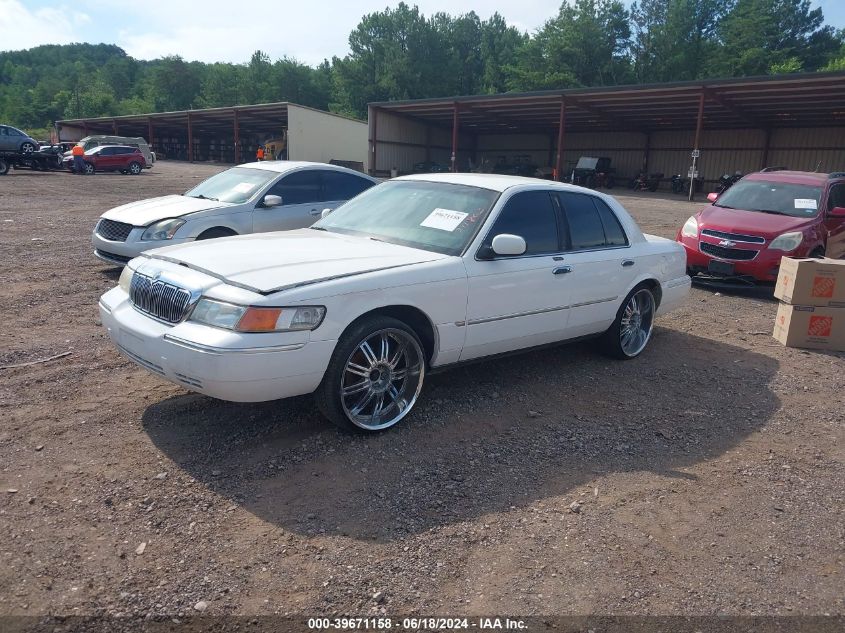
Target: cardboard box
x=813, y=327
x=812, y=282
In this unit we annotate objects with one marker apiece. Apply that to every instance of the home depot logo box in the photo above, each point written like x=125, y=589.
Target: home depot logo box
x=812, y=282
x=814, y=327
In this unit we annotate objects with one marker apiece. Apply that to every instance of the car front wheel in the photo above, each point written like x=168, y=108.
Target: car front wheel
x=27, y=148
x=374, y=377
x=631, y=330
x=89, y=168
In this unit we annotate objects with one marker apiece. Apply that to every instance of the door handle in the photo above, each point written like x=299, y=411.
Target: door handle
x=315, y=212
x=628, y=262
x=562, y=270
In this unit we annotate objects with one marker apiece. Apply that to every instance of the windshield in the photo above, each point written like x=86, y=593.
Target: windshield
x=234, y=185
x=433, y=216
x=783, y=198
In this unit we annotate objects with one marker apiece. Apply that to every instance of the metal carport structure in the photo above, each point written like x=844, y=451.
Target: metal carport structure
x=231, y=134
x=744, y=123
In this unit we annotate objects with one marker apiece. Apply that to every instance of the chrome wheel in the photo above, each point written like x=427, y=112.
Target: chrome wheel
x=89, y=168
x=381, y=379
x=27, y=148
x=636, y=322
x=134, y=169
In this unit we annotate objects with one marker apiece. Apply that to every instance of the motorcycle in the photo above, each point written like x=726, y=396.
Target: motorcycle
x=678, y=183
x=726, y=181
x=645, y=182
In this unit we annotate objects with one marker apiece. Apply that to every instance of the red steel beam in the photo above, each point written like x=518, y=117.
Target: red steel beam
x=455, y=123
x=561, y=125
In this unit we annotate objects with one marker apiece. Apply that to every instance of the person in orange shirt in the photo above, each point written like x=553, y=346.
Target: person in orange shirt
x=78, y=162
x=259, y=155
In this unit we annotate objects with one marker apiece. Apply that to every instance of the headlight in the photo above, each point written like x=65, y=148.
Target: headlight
x=163, y=230
x=125, y=279
x=787, y=241
x=255, y=319
x=690, y=228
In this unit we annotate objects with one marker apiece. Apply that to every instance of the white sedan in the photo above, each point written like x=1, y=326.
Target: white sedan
x=251, y=198
x=416, y=273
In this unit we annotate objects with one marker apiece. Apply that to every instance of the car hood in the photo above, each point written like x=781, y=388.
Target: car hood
x=767, y=225
x=145, y=212
x=270, y=262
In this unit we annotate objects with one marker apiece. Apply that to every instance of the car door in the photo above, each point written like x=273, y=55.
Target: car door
x=600, y=264
x=835, y=226
x=6, y=142
x=338, y=187
x=301, y=193
x=104, y=159
x=515, y=302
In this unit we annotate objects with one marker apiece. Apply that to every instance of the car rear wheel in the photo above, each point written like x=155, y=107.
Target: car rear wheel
x=89, y=168
x=374, y=377
x=4, y=167
x=631, y=330
x=134, y=168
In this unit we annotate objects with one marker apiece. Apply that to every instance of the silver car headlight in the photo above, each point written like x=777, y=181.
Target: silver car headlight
x=787, y=242
x=162, y=230
x=230, y=316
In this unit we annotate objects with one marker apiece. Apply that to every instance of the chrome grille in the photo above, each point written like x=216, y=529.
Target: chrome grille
x=734, y=237
x=736, y=254
x=113, y=231
x=159, y=299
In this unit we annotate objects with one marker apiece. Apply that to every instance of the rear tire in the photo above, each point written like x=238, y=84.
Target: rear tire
x=632, y=328
x=4, y=167
x=217, y=231
x=134, y=168
x=374, y=376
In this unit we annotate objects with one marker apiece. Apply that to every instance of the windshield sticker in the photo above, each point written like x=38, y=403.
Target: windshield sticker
x=805, y=203
x=244, y=187
x=444, y=219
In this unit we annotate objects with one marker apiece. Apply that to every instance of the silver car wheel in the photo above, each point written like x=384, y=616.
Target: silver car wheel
x=27, y=148
x=382, y=379
x=637, y=322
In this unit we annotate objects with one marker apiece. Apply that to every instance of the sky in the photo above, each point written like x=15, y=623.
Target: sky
x=223, y=30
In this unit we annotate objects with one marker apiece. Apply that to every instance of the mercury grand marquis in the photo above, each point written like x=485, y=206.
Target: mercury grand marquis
x=414, y=274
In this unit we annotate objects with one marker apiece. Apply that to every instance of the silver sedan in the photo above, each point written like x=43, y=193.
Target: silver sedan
x=251, y=198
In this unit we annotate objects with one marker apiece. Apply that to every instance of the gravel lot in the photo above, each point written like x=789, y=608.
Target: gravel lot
x=704, y=478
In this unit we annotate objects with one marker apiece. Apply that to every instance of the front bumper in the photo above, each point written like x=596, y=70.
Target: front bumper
x=118, y=253
x=218, y=363
x=762, y=268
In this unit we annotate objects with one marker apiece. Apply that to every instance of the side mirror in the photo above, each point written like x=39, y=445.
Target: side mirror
x=325, y=213
x=712, y=196
x=507, y=244
x=271, y=201
x=837, y=212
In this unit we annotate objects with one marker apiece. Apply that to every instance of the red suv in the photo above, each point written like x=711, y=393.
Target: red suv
x=122, y=158
x=745, y=231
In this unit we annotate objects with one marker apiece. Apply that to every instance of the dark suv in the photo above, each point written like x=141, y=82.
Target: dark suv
x=122, y=158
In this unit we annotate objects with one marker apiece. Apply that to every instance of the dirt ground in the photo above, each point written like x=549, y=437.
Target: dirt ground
x=707, y=475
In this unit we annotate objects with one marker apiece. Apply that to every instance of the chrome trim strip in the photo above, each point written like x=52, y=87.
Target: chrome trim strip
x=734, y=237
x=589, y=303
x=210, y=349
x=99, y=255
x=514, y=316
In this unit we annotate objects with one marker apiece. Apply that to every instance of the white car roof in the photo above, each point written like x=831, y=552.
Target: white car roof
x=282, y=166
x=496, y=182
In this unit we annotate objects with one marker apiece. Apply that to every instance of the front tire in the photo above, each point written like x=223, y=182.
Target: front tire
x=374, y=377
x=27, y=148
x=632, y=328
x=89, y=169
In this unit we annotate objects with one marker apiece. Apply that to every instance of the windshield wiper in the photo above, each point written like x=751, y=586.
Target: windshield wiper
x=202, y=197
x=724, y=206
x=772, y=211
x=317, y=228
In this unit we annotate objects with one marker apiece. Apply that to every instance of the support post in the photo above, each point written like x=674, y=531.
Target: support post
x=764, y=160
x=698, y=126
x=190, y=139
x=114, y=126
x=646, y=152
x=372, y=119
x=455, y=123
x=561, y=126
x=150, y=131
x=428, y=143
x=237, y=137
x=84, y=128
